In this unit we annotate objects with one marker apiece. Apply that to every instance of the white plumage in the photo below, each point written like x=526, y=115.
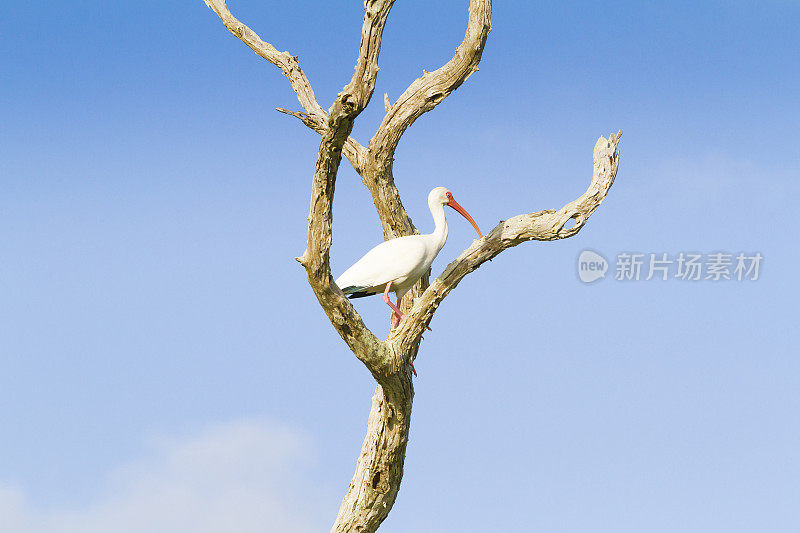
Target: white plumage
x=395, y=265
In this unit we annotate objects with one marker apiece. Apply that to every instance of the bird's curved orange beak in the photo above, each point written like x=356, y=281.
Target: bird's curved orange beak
x=455, y=205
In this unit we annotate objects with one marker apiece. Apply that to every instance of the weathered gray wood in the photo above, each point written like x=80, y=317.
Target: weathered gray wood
x=290, y=66
x=547, y=225
x=379, y=469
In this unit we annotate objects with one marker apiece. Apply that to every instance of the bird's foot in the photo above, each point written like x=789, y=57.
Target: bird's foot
x=397, y=316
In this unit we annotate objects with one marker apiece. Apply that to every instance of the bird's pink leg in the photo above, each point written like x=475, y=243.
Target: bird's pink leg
x=396, y=319
x=398, y=315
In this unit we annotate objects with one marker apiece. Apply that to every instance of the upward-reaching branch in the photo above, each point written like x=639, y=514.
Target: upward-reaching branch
x=315, y=116
x=422, y=95
x=348, y=104
x=547, y=225
x=335, y=126
x=427, y=91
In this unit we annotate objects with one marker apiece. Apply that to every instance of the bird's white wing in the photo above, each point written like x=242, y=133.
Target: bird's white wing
x=389, y=261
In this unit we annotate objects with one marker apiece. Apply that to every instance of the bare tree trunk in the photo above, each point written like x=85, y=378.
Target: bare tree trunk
x=379, y=470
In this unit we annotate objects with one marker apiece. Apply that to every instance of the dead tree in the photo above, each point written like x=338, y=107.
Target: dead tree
x=379, y=469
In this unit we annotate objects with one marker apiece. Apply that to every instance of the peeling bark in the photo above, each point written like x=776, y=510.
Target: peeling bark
x=379, y=469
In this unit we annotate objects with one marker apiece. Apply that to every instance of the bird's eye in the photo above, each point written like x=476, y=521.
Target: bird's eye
x=449, y=195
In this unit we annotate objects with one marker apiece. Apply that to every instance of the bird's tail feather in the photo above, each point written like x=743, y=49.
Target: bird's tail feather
x=354, y=291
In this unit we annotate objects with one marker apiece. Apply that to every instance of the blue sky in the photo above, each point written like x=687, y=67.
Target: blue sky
x=165, y=366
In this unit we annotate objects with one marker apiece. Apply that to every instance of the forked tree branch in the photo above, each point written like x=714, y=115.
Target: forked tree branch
x=348, y=104
x=379, y=469
x=421, y=96
x=375, y=163
x=335, y=126
x=546, y=225
x=353, y=151
x=317, y=118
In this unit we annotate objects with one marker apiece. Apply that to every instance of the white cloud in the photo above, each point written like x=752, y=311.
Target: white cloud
x=243, y=476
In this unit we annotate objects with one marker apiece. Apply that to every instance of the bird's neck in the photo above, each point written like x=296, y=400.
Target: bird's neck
x=439, y=235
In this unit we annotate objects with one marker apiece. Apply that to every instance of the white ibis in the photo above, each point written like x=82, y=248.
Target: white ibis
x=396, y=265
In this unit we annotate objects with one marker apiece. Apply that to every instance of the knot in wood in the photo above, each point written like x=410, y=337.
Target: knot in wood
x=337, y=316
